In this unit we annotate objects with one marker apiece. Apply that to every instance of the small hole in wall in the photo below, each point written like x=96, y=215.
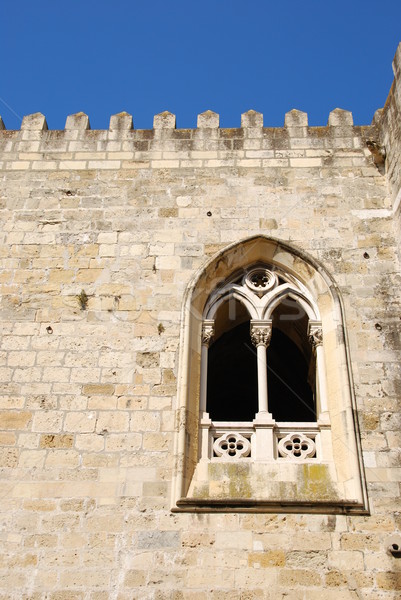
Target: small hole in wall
x=378, y=327
x=395, y=547
x=209, y=214
x=49, y=330
x=366, y=255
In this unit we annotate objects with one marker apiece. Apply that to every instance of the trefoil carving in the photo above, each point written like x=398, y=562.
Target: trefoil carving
x=260, y=280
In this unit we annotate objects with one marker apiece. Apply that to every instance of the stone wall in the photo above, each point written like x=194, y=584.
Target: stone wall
x=102, y=231
x=388, y=121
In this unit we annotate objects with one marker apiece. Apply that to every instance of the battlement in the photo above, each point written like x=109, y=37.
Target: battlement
x=295, y=121
x=36, y=147
x=209, y=120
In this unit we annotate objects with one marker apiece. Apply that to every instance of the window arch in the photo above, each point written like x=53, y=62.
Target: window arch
x=291, y=365
x=263, y=423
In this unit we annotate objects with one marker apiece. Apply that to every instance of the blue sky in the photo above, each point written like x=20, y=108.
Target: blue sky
x=229, y=56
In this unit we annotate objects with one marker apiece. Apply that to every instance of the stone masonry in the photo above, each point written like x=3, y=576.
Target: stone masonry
x=102, y=231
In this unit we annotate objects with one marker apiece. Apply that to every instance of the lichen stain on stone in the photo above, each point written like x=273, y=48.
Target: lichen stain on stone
x=315, y=483
x=234, y=480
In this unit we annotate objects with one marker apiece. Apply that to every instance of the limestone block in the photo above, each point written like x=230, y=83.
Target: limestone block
x=36, y=122
x=251, y=118
x=94, y=389
x=296, y=118
x=208, y=119
x=47, y=421
x=56, y=441
x=62, y=458
x=9, y=457
x=77, y=121
x=7, y=438
x=130, y=442
x=145, y=421
x=389, y=581
x=158, y=539
x=340, y=118
x=15, y=420
x=164, y=120
x=121, y=121
x=296, y=577
x=80, y=422
x=346, y=560
x=112, y=421
x=135, y=578
x=89, y=442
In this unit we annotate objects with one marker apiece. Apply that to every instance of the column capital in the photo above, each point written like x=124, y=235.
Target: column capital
x=315, y=334
x=207, y=332
x=261, y=332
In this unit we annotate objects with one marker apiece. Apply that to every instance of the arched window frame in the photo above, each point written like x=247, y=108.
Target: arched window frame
x=311, y=285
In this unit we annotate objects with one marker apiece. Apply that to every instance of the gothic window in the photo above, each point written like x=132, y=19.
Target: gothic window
x=258, y=366
x=264, y=423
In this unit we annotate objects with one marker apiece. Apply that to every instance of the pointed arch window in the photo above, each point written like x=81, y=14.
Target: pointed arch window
x=266, y=413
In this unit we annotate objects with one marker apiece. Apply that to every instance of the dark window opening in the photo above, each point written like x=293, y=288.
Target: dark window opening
x=289, y=360
x=232, y=389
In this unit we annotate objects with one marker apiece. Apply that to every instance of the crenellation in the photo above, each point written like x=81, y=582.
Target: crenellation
x=164, y=120
x=123, y=147
x=78, y=121
x=296, y=119
x=340, y=118
x=252, y=120
x=121, y=121
x=34, y=122
x=208, y=120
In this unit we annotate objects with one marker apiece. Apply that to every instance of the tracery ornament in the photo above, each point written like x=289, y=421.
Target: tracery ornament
x=316, y=337
x=297, y=445
x=231, y=445
x=260, y=280
x=261, y=334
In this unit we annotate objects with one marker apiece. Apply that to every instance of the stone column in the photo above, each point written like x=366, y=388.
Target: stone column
x=315, y=335
x=204, y=420
x=207, y=336
x=261, y=332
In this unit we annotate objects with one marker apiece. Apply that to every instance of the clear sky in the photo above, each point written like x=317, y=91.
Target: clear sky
x=105, y=56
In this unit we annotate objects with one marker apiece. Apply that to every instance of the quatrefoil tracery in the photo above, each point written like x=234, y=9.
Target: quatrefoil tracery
x=297, y=445
x=231, y=445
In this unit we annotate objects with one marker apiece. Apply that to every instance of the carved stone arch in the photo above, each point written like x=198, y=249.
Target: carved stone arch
x=212, y=307
x=307, y=304
x=340, y=486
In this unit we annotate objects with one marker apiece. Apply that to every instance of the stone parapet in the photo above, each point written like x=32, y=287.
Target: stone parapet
x=122, y=147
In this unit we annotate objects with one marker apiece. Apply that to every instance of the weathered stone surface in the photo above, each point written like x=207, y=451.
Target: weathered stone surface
x=89, y=389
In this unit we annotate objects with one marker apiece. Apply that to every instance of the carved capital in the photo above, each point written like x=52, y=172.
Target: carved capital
x=207, y=332
x=261, y=333
x=315, y=336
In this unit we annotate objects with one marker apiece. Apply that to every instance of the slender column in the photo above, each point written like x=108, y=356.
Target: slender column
x=207, y=336
x=316, y=341
x=261, y=332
